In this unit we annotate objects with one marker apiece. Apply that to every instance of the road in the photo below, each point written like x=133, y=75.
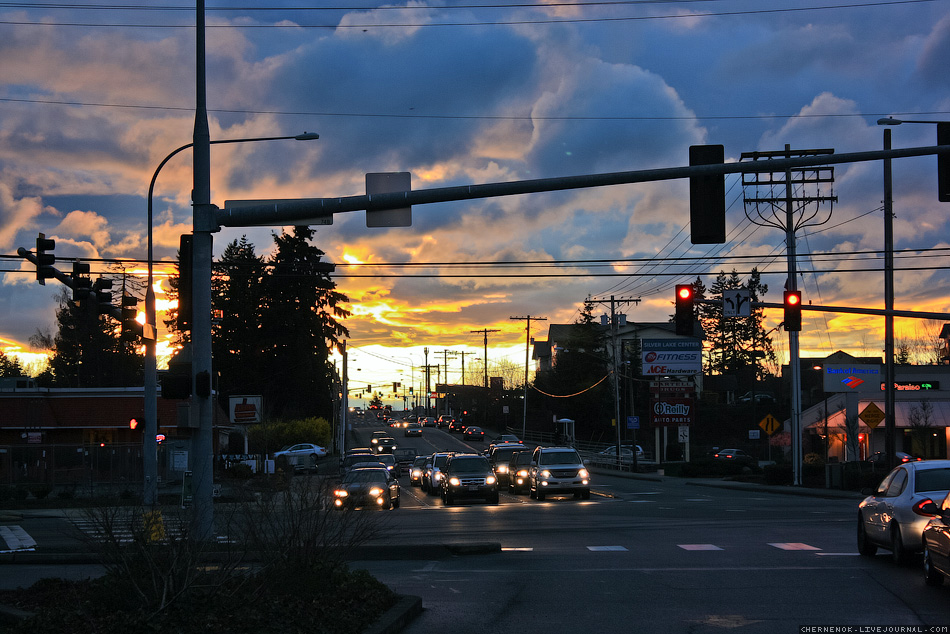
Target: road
x=643, y=555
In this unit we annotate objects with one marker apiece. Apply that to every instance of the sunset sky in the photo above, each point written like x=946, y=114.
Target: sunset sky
x=92, y=98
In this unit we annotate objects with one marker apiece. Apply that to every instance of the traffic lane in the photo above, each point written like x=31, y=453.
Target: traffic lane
x=676, y=578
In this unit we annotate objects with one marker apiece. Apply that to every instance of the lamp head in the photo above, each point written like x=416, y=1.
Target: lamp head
x=307, y=136
x=889, y=121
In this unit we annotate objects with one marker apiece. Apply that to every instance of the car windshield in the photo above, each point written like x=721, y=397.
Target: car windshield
x=503, y=454
x=365, y=476
x=932, y=480
x=419, y=462
x=469, y=465
x=441, y=460
x=559, y=457
x=386, y=458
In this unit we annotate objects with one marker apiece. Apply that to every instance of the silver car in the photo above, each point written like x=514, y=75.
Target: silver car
x=894, y=517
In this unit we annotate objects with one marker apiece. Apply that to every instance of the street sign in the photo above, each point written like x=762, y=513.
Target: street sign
x=736, y=303
x=683, y=435
x=872, y=415
x=769, y=424
x=633, y=422
x=754, y=434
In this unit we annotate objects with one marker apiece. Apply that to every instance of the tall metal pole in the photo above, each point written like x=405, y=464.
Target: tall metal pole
x=204, y=224
x=889, y=375
x=614, y=328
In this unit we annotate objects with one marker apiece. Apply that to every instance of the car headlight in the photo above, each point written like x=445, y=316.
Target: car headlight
x=583, y=473
x=416, y=473
x=522, y=473
x=376, y=492
x=545, y=474
x=503, y=468
x=437, y=476
x=490, y=480
x=454, y=481
x=341, y=493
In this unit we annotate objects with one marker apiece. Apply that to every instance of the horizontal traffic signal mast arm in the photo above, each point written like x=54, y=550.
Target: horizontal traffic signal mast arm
x=65, y=278
x=845, y=309
x=290, y=211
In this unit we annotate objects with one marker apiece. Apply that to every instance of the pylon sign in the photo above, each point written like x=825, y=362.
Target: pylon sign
x=770, y=424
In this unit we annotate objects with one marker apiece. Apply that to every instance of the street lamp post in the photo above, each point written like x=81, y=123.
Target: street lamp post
x=150, y=330
x=890, y=410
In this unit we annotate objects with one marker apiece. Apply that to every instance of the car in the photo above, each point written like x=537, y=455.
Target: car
x=878, y=459
x=417, y=469
x=499, y=456
x=353, y=450
x=468, y=475
x=626, y=454
x=473, y=433
x=936, y=540
x=302, y=456
x=455, y=425
x=519, y=467
x=404, y=458
x=505, y=438
x=413, y=429
x=374, y=440
x=444, y=421
x=894, y=516
x=367, y=487
x=389, y=461
x=735, y=455
x=429, y=421
x=557, y=470
x=431, y=479
x=385, y=445
x=757, y=397
x=353, y=459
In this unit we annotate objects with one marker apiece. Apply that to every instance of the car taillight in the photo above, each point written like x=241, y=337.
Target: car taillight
x=919, y=508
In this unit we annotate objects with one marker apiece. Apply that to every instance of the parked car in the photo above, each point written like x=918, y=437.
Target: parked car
x=558, y=470
x=757, y=397
x=936, y=540
x=413, y=429
x=519, y=468
x=626, y=454
x=417, y=469
x=473, y=433
x=431, y=479
x=895, y=516
x=372, y=487
x=735, y=455
x=468, y=476
x=499, y=456
x=303, y=456
x=878, y=459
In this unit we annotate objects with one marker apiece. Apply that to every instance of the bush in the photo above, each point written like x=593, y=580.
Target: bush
x=40, y=491
x=240, y=471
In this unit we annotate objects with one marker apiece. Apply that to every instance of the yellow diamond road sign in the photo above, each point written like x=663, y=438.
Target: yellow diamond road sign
x=872, y=415
x=769, y=424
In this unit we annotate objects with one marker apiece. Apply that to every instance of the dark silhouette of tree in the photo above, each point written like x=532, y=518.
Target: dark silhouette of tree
x=9, y=366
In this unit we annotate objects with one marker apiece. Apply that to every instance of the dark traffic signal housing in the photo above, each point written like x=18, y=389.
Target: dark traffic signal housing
x=707, y=197
x=45, y=261
x=684, y=317
x=943, y=163
x=793, y=310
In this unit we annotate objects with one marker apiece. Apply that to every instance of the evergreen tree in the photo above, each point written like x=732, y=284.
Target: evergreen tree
x=300, y=313
x=9, y=366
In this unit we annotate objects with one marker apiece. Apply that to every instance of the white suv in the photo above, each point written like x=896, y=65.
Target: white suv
x=558, y=470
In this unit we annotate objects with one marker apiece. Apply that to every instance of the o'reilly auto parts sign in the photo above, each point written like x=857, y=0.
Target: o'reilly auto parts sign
x=671, y=357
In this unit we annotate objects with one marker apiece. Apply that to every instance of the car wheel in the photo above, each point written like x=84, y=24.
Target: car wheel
x=313, y=462
x=585, y=494
x=493, y=498
x=865, y=547
x=539, y=495
x=531, y=493
x=898, y=552
x=932, y=576
x=447, y=500
x=396, y=503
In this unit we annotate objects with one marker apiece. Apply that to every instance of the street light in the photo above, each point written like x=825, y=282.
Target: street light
x=890, y=413
x=150, y=331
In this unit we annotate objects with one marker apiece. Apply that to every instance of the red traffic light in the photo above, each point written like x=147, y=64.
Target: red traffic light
x=133, y=423
x=793, y=310
x=684, y=291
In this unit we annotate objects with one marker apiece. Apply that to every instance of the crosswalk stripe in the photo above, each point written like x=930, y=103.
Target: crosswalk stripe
x=793, y=546
x=16, y=538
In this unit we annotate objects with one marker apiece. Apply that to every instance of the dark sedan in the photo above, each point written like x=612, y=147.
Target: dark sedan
x=473, y=433
x=937, y=544
x=367, y=488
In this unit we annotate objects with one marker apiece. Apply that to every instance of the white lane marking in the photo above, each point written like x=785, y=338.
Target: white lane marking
x=598, y=549
x=699, y=547
x=793, y=546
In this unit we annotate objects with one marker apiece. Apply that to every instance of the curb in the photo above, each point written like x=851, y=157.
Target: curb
x=407, y=608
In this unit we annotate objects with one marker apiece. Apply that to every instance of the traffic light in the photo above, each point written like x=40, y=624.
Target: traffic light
x=684, y=310
x=793, y=310
x=82, y=285
x=707, y=197
x=103, y=290
x=943, y=163
x=185, y=283
x=133, y=423
x=130, y=327
x=44, y=260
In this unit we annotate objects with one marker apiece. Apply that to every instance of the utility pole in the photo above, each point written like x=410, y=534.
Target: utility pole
x=485, y=332
x=462, y=354
x=800, y=211
x=527, y=356
x=615, y=320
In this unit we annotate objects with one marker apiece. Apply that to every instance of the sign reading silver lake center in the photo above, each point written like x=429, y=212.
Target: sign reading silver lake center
x=671, y=357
